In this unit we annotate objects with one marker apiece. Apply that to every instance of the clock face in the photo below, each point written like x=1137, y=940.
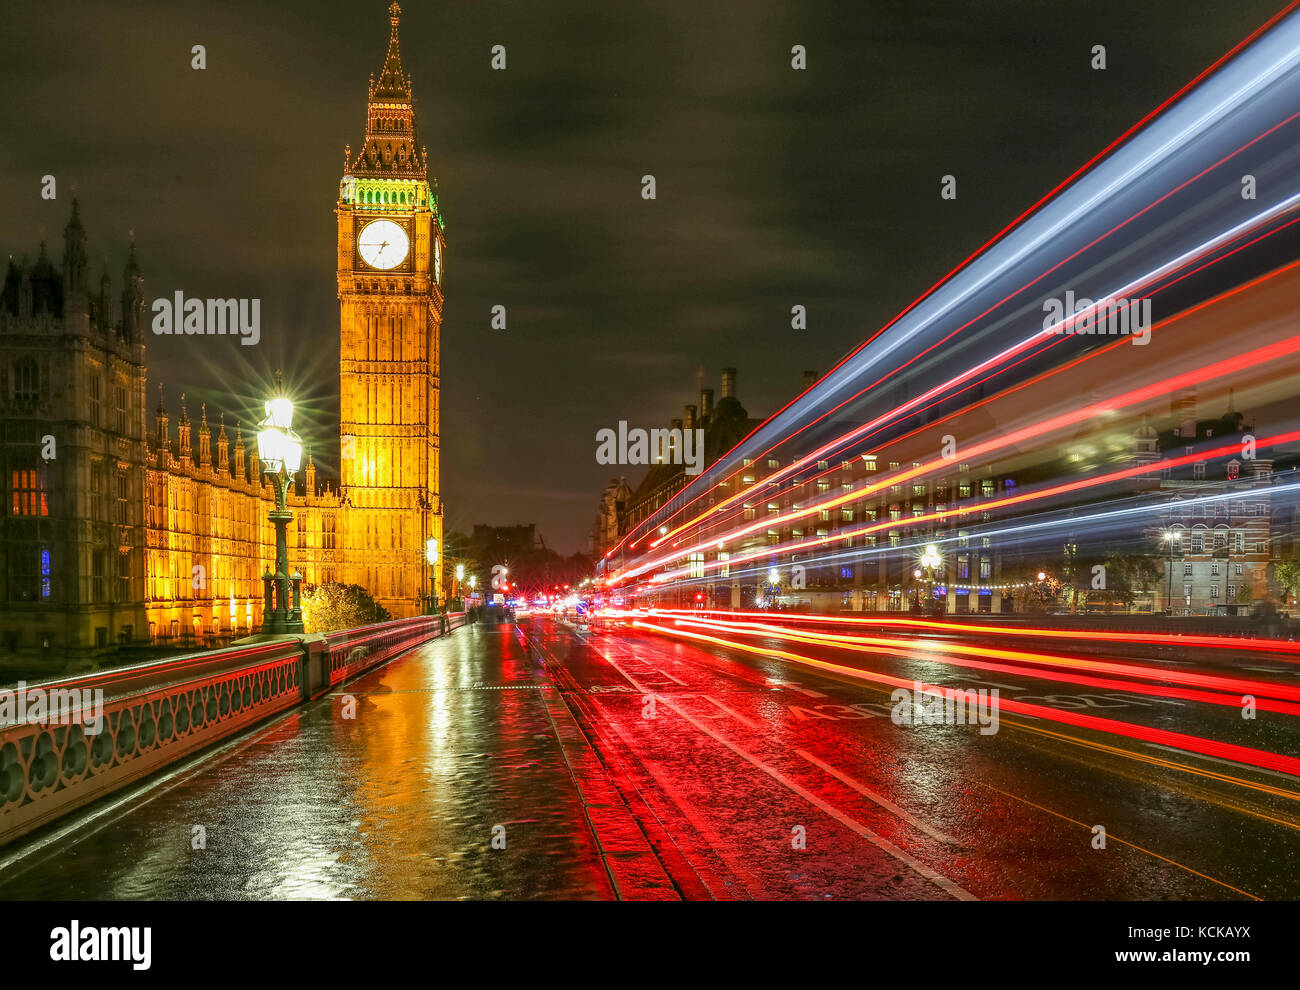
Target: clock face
x=437, y=259
x=383, y=244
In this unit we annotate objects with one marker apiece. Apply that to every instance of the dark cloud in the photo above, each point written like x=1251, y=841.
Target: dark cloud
x=775, y=187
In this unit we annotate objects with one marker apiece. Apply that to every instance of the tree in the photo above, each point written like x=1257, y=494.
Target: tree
x=332, y=606
x=1287, y=575
x=1126, y=575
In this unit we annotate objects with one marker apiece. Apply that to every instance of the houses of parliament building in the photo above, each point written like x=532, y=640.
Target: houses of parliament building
x=121, y=527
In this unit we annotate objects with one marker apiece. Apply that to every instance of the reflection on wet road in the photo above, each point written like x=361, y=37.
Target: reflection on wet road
x=552, y=761
x=397, y=802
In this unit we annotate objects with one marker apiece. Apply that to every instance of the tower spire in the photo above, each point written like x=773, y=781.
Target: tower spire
x=389, y=150
x=394, y=84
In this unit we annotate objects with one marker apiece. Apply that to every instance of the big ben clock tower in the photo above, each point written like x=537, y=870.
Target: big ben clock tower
x=390, y=253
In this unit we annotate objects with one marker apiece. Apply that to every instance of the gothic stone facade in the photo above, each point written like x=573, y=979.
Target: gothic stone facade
x=116, y=533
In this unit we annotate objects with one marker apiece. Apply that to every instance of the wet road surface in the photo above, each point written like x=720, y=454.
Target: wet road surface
x=626, y=763
x=400, y=801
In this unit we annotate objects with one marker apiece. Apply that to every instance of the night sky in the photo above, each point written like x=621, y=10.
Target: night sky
x=775, y=187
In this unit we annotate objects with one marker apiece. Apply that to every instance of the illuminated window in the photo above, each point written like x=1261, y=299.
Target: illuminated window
x=869, y=462
x=697, y=564
x=724, y=568
x=46, y=572
x=1214, y=591
x=28, y=494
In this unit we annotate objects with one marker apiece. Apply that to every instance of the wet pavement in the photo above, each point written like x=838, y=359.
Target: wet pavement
x=447, y=744
x=630, y=764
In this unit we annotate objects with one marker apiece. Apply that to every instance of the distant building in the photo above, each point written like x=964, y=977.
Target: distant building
x=725, y=424
x=1220, y=516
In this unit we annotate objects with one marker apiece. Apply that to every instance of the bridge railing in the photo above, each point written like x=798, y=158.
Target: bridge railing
x=68, y=741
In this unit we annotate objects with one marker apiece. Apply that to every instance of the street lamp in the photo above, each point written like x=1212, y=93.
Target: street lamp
x=431, y=555
x=279, y=449
x=460, y=576
x=1168, y=536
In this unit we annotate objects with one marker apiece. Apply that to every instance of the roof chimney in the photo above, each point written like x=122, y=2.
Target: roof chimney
x=689, y=422
x=728, y=383
x=706, y=404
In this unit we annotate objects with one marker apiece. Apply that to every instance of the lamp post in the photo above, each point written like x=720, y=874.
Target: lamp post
x=279, y=449
x=1168, y=535
x=431, y=555
x=460, y=576
x=931, y=560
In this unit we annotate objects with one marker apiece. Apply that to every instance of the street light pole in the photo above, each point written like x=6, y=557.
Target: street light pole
x=1169, y=587
x=279, y=449
x=431, y=555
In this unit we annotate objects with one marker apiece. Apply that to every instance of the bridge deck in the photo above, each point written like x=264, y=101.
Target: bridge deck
x=400, y=801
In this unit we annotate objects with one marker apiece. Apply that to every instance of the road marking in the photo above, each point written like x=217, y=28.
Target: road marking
x=1131, y=845
x=883, y=844
x=794, y=686
x=879, y=799
x=734, y=714
x=670, y=677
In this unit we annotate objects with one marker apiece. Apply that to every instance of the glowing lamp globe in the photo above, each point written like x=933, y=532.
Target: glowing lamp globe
x=278, y=446
x=431, y=551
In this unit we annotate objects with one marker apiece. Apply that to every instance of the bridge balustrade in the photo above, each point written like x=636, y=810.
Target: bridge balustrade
x=61, y=750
